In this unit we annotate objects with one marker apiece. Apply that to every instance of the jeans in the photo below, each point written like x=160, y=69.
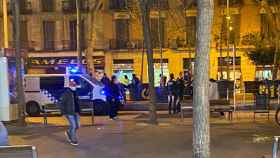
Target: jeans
x=179, y=99
x=171, y=104
x=74, y=125
x=3, y=135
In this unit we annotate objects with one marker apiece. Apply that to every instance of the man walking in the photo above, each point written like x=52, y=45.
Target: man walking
x=70, y=108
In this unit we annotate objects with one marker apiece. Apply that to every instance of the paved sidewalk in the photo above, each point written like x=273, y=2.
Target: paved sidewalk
x=132, y=138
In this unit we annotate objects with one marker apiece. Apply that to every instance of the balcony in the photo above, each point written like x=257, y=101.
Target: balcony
x=28, y=45
x=181, y=43
x=232, y=3
x=159, y=4
x=71, y=45
x=118, y=5
x=125, y=44
x=69, y=6
x=25, y=8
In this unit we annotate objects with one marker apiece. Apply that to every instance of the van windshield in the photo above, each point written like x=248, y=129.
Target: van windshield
x=93, y=80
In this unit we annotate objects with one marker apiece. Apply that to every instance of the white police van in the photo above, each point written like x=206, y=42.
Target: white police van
x=45, y=90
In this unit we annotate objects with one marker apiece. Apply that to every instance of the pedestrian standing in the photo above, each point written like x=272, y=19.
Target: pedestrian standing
x=114, y=98
x=136, y=87
x=171, y=88
x=70, y=108
x=180, y=89
x=3, y=135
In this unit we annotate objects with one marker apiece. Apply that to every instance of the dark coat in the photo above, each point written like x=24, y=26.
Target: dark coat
x=68, y=102
x=171, y=87
x=180, y=86
x=114, y=91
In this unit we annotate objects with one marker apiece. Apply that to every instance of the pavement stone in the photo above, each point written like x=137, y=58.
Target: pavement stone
x=131, y=137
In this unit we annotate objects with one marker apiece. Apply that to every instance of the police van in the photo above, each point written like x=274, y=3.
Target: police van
x=45, y=90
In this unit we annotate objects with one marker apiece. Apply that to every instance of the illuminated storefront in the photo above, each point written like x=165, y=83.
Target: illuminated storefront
x=122, y=67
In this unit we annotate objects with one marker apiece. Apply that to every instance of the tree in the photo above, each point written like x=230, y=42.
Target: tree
x=145, y=10
x=19, y=69
x=201, y=132
x=273, y=21
x=95, y=7
x=263, y=52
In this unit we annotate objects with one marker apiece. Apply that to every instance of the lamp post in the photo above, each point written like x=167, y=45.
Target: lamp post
x=5, y=24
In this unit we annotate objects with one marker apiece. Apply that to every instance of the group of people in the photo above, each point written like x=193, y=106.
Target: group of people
x=175, y=90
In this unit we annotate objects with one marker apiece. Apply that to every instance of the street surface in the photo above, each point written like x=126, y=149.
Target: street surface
x=131, y=137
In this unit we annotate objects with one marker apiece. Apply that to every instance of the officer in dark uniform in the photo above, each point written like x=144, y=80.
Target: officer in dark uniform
x=180, y=89
x=171, y=88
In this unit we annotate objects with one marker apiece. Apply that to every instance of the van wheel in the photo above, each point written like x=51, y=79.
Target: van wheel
x=33, y=108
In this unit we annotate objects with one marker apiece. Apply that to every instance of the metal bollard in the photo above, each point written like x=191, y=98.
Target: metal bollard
x=227, y=94
x=275, y=147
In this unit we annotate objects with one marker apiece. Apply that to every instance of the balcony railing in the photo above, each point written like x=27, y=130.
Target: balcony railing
x=181, y=43
x=232, y=3
x=72, y=45
x=28, y=45
x=125, y=44
x=69, y=6
x=159, y=4
x=25, y=8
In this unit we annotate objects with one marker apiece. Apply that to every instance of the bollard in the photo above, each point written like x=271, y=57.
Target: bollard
x=227, y=94
x=275, y=147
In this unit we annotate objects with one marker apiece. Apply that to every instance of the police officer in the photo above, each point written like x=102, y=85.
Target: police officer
x=114, y=97
x=171, y=88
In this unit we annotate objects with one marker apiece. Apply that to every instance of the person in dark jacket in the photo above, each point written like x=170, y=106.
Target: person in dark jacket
x=171, y=89
x=114, y=97
x=180, y=89
x=70, y=108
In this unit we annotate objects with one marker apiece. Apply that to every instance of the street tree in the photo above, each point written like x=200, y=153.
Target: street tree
x=273, y=20
x=19, y=68
x=145, y=13
x=263, y=52
x=201, y=132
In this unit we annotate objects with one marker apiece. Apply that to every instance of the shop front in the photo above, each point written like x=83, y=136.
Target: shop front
x=188, y=67
x=228, y=71
x=123, y=67
x=160, y=68
x=57, y=65
x=264, y=72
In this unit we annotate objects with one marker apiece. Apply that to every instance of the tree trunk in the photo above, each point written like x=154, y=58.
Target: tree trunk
x=275, y=28
x=19, y=68
x=145, y=9
x=201, y=133
x=79, y=50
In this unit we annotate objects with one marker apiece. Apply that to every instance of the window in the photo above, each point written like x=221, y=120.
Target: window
x=266, y=32
x=49, y=34
x=24, y=34
x=157, y=30
x=47, y=5
x=118, y=4
x=234, y=25
x=122, y=33
x=162, y=4
x=73, y=35
x=25, y=6
x=190, y=31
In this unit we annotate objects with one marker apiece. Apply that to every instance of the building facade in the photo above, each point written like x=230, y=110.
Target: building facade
x=112, y=37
